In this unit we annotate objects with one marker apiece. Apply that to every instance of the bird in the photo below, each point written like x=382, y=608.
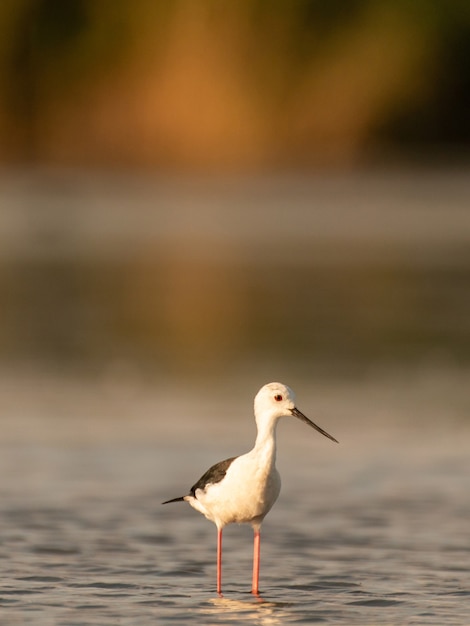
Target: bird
x=243, y=489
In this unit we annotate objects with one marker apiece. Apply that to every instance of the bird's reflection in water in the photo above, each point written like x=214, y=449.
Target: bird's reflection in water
x=256, y=608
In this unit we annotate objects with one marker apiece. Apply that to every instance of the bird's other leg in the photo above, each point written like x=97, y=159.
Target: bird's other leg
x=219, y=561
x=256, y=553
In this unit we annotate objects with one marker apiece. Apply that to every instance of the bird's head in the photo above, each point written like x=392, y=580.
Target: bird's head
x=276, y=400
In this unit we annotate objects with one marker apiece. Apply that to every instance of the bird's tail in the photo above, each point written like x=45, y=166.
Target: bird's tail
x=181, y=499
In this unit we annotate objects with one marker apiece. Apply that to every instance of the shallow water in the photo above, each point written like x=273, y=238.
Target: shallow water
x=373, y=531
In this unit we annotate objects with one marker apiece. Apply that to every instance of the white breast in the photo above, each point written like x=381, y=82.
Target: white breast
x=245, y=495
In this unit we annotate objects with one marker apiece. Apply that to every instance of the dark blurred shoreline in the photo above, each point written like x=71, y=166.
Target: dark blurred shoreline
x=189, y=274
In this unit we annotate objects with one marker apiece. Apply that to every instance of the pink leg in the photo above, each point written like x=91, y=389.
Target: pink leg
x=219, y=561
x=256, y=552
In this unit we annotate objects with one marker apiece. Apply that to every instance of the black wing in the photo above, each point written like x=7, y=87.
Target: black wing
x=180, y=499
x=213, y=475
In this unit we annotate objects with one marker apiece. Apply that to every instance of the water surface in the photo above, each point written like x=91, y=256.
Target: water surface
x=372, y=531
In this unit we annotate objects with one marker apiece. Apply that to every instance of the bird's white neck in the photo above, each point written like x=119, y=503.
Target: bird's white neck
x=265, y=444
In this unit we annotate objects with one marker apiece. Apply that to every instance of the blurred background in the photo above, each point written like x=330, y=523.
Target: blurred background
x=204, y=193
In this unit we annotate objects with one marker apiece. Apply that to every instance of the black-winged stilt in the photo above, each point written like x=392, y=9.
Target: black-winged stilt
x=243, y=489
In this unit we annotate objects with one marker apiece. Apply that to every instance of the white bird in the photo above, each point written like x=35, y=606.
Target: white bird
x=243, y=489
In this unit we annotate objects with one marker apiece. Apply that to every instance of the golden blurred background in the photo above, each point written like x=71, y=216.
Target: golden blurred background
x=187, y=185
x=209, y=85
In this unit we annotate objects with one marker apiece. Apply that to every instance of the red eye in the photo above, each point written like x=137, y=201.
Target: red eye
x=278, y=397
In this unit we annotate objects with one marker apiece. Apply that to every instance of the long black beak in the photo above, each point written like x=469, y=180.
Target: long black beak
x=296, y=413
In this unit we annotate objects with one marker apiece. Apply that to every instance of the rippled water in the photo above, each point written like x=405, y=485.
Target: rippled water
x=373, y=531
